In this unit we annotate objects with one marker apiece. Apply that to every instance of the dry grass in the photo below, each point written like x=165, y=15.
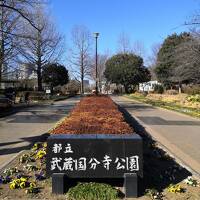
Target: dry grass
x=178, y=99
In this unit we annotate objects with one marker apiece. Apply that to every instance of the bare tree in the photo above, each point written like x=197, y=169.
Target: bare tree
x=11, y=11
x=152, y=60
x=187, y=59
x=100, y=69
x=9, y=26
x=138, y=48
x=40, y=46
x=79, y=58
x=22, y=8
x=187, y=55
x=124, y=43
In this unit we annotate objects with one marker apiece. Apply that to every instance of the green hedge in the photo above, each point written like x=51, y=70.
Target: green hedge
x=92, y=191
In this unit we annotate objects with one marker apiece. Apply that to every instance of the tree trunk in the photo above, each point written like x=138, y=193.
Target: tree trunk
x=82, y=75
x=99, y=85
x=39, y=73
x=52, y=89
x=1, y=67
x=39, y=78
x=1, y=47
x=126, y=89
x=39, y=61
x=1, y=62
x=179, y=88
x=82, y=84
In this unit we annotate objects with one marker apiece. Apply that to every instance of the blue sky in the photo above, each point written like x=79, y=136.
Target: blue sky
x=148, y=21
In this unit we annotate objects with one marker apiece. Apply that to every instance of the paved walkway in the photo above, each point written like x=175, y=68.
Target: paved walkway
x=19, y=130
x=179, y=133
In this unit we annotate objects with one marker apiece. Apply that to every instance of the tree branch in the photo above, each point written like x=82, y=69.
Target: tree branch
x=21, y=13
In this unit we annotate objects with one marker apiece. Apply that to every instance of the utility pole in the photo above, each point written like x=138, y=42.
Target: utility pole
x=96, y=88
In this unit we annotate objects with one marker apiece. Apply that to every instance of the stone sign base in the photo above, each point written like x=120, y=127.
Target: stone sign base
x=61, y=184
x=96, y=156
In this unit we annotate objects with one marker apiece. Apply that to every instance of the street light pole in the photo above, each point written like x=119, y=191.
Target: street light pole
x=96, y=88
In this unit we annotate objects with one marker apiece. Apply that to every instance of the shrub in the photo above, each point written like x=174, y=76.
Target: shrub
x=192, y=90
x=2, y=91
x=91, y=191
x=193, y=98
x=116, y=91
x=33, y=95
x=36, y=95
x=159, y=89
x=145, y=93
x=94, y=115
x=72, y=87
x=172, y=92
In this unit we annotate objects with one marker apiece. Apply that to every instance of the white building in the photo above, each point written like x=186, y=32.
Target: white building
x=148, y=86
x=86, y=83
x=27, y=71
x=22, y=76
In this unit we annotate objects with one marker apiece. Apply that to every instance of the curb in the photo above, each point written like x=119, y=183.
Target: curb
x=9, y=161
x=43, y=137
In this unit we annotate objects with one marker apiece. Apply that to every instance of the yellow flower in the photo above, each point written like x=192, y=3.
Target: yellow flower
x=40, y=154
x=44, y=144
x=35, y=147
x=22, y=179
x=22, y=185
x=32, y=185
x=12, y=186
x=175, y=189
x=16, y=181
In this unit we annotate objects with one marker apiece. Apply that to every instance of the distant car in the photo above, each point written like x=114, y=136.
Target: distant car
x=5, y=103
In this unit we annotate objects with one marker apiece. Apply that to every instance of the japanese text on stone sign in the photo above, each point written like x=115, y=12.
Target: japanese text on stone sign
x=82, y=164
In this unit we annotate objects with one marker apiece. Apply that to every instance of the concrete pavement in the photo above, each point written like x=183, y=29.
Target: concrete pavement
x=178, y=133
x=19, y=130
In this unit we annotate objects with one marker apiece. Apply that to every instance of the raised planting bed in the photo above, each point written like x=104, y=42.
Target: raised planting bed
x=94, y=141
x=94, y=115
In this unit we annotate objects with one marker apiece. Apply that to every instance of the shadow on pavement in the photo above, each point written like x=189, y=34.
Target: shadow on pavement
x=160, y=170
x=160, y=121
x=30, y=141
x=40, y=114
x=39, y=118
x=136, y=106
x=13, y=110
x=36, y=110
x=9, y=143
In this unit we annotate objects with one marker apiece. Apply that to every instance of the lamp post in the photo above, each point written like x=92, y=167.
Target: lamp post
x=96, y=88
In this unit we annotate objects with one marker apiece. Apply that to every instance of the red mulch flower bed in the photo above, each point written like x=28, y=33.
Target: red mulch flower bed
x=94, y=115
